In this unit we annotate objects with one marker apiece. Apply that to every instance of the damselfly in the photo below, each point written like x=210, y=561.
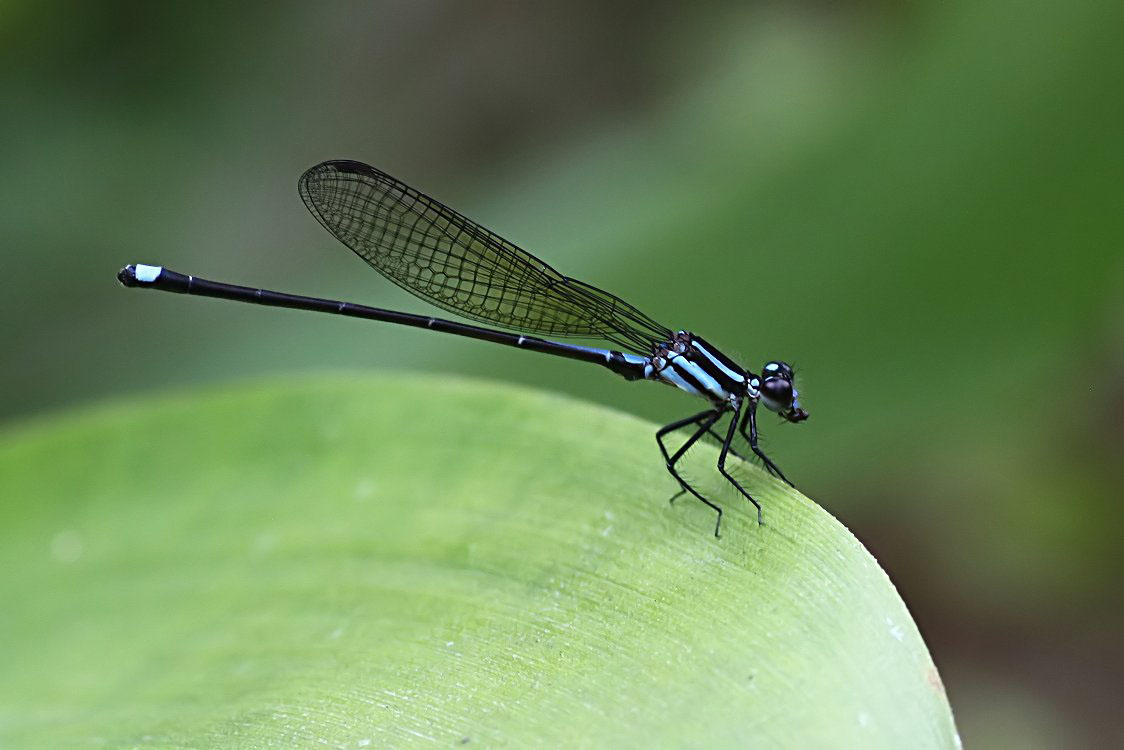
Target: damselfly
x=444, y=258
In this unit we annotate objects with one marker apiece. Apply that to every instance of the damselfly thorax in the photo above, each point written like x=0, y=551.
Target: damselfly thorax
x=694, y=365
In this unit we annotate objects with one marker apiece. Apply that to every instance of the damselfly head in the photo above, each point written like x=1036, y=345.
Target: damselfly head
x=777, y=392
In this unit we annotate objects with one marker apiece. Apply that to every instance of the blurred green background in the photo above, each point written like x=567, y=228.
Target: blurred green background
x=919, y=204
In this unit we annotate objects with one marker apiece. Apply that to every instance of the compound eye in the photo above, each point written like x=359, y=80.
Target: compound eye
x=776, y=368
x=777, y=390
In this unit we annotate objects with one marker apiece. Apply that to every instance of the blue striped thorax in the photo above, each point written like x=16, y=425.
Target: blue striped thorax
x=692, y=364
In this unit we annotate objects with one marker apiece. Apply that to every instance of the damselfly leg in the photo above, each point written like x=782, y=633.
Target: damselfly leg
x=707, y=420
x=722, y=460
x=720, y=439
x=678, y=425
x=750, y=418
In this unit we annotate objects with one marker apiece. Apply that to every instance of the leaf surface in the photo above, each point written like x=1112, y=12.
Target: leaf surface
x=411, y=561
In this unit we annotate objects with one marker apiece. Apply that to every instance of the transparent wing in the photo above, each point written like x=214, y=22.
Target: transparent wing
x=439, y=255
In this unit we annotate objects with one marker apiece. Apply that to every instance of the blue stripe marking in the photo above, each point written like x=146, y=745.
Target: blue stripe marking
x=605, y=353
x=717, y=363
x=632, y=359
x=672, y=377
x=701, y=376
x=591, y=350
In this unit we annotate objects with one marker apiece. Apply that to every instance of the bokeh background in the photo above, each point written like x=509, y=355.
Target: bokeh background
x=919, y=204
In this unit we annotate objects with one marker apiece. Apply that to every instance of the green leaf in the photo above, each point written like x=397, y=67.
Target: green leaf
x=395, y=561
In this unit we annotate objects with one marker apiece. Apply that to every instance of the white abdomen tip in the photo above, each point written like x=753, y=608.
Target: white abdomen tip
x=147, y=274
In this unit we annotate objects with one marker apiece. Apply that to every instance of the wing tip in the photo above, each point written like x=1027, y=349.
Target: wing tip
x=307, y=185
x=339, y=166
